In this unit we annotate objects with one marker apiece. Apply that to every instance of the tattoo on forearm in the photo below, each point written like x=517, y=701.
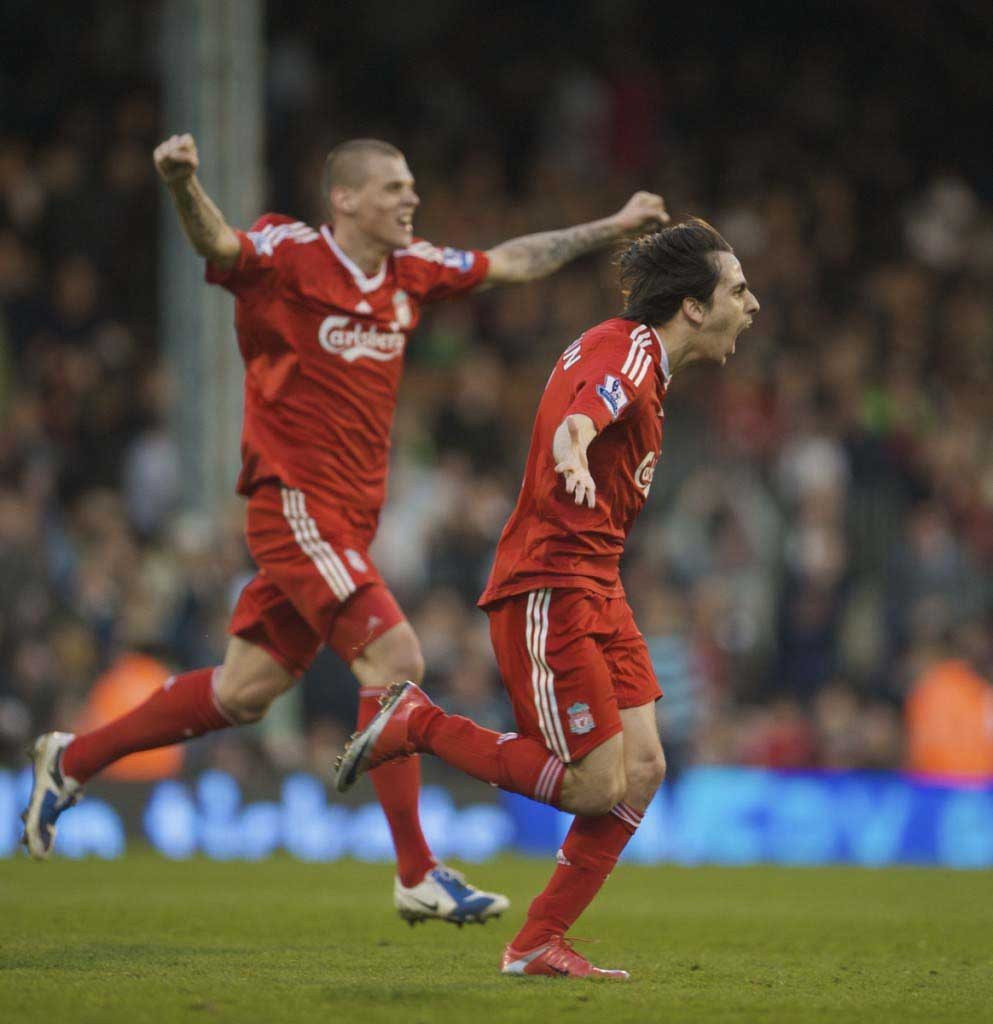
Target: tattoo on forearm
x=201, y=219
x=537, y=255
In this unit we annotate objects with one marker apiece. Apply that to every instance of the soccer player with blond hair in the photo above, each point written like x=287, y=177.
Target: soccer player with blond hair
x=323, y=315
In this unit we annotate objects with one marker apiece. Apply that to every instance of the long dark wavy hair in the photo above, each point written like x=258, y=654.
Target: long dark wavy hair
x=659, y=270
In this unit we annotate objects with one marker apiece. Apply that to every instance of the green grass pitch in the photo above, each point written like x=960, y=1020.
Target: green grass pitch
x=145, y=939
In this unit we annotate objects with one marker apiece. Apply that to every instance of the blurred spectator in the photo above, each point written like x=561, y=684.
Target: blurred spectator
x=949, y=719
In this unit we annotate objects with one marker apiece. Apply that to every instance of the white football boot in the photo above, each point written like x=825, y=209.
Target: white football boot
x=51, y=794
x=445, y=895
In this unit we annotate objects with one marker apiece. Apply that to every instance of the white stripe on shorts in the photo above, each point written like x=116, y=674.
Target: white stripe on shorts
x=318, y=550
x=542, y=680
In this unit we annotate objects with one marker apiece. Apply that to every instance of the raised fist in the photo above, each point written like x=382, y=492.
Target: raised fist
x=643, y=211
x=176, y=159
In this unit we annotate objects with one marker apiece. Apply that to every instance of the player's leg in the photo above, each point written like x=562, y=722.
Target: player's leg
x=392, y=656
x=593, y=844
x=385, y=649
x=188, y=705
x=315, y=553
x=568, y=752
x=269, y=645
x=250, y=679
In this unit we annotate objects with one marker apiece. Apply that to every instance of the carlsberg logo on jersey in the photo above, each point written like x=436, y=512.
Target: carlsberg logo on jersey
x=353, y=342
x=645, y=473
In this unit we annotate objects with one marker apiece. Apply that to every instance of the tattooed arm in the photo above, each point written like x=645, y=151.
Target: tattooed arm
x=209, y=233
x=534, y=256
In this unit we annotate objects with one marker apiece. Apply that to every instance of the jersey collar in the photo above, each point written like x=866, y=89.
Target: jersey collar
x=363, y=283
x=663, y=356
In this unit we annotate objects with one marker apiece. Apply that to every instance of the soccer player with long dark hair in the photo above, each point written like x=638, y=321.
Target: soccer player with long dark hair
x=575, y=665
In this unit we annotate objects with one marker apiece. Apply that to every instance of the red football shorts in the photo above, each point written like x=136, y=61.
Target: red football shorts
x=316, y=583
x=571, y=661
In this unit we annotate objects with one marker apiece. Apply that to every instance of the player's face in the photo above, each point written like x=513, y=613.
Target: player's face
x=731, y=310
x=386, y=201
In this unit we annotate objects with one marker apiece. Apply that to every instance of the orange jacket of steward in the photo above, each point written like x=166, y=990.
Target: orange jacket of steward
x=949, y=721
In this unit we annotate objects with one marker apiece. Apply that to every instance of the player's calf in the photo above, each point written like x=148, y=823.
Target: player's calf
x=409, y=722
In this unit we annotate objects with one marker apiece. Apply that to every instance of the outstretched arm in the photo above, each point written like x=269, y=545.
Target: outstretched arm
x=572, y=437
x=209, y=233
x=534, y=256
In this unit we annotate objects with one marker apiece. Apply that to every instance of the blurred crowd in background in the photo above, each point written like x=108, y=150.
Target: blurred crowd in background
x=813, y=570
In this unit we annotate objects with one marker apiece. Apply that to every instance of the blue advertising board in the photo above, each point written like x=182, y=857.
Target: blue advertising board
x=712, y=815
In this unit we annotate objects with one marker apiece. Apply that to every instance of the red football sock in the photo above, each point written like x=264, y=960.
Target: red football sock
x=185, y=707
x=398, y=786
x=587, y=857
x=506, y=760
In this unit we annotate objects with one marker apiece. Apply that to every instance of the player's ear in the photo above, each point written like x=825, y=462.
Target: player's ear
x=343, y=200
x=693, y=310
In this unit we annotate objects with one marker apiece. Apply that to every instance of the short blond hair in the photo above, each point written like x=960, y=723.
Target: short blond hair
x=346, y=166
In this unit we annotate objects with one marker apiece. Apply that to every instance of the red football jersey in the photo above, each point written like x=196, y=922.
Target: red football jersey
x=616, y=373
x=323, y=346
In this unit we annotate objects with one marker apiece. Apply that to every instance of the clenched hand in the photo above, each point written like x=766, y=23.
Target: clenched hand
x=176, y=159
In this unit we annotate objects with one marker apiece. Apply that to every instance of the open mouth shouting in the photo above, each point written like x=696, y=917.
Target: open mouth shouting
x=744, y=327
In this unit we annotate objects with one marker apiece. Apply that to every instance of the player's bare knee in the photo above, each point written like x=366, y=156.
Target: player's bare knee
x=404, y=660
x=644, y=777
x=246, y=703
x=394, y=670
x=246, y=713
x=392, y=658
x=410, y=667
x=248, y=682
x=660, y=769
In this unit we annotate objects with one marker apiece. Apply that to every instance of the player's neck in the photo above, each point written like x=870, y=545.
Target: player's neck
x=365, y=252
x=679, y=345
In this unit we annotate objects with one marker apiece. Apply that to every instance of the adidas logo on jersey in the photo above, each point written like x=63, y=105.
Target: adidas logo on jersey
x=353, y=342
x=266, y=240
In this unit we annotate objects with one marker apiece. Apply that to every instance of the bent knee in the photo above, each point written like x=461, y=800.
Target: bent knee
x=244, y=706
x=245, y=696
x=410, y=667
x=396, y=670
x=652, y=771
x=245, y=714
x=391, y=659
x=644, y=778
